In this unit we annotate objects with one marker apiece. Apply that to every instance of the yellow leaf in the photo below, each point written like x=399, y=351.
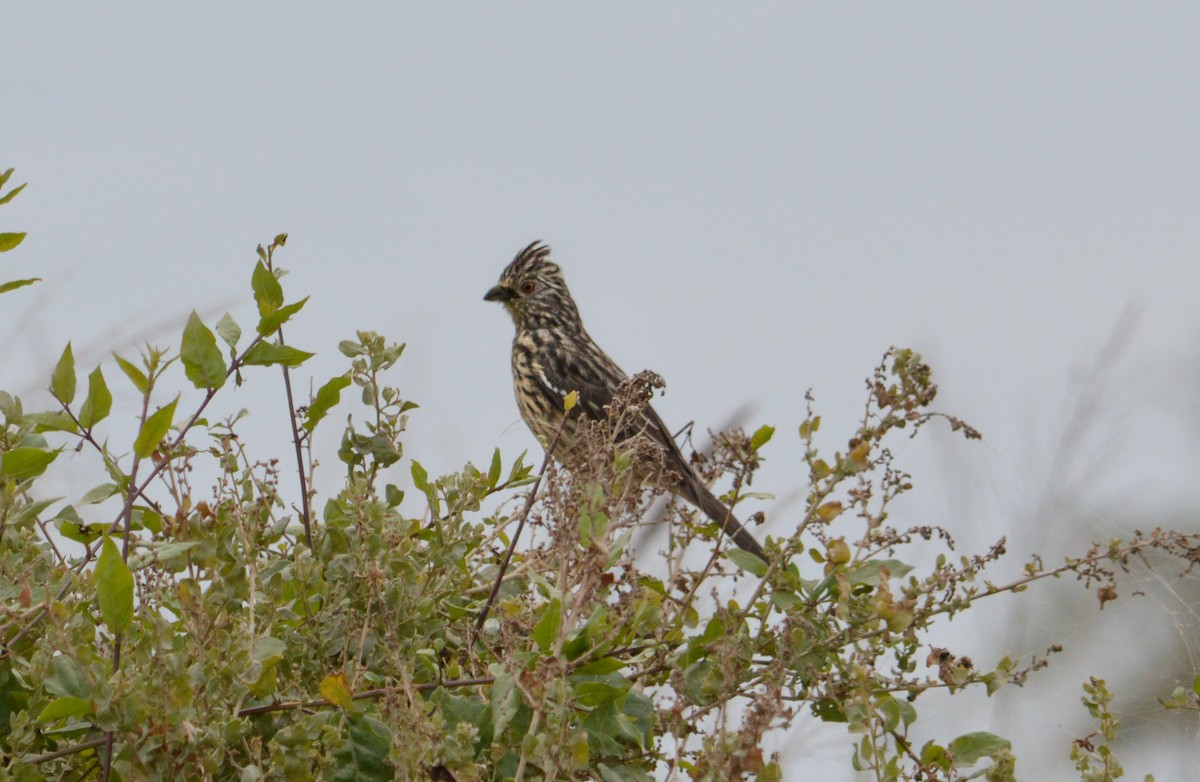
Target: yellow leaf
x=336, y=690
x=861, y=455
x=570, y=400
x=580, y=751
x=838, y=552
x=829, y=511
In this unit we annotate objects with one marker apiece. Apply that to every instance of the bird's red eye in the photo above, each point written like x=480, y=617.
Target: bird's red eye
x=528, y=287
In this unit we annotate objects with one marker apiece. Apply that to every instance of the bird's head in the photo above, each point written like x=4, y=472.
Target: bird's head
x=533, y=291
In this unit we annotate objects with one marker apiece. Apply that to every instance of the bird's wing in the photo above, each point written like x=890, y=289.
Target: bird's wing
x=556, y=379
x=595, y=386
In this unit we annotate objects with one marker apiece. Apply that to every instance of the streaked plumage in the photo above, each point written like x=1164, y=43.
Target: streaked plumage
x=553, y=355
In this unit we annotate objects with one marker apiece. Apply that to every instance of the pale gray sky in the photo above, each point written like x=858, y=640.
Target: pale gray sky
x=751, y=201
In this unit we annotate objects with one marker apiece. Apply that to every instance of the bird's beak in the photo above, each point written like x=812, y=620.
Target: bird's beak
x=501, y=293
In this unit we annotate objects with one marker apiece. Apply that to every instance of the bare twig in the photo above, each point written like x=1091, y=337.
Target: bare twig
x=487, y=607
x=306, y=512
x=127, y=516
x=321, y=703
x=106, y=759
x=62, y=753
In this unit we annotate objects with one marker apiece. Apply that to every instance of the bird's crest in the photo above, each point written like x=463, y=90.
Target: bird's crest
x=532, y=258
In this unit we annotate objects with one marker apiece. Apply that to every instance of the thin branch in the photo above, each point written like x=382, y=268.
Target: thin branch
x=487, y=607
x=132, y=492
x=306, y=511
x=904, y=744
x=321, y=703
x=62, y=753
x=42, y=526
x=127, y=516
x=106, y=759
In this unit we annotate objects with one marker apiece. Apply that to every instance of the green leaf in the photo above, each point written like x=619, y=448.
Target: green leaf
x=80, y=533
x=620, y=723
x=828, y=710
x=268, y=652
x=546, y=630
x=99, y=494
x=494, y=470
x=267, y=647
x=12, y=285
x=59, y=708
x=4, y=175
x=134, y=374
x=114, y=587
x=146, y=518
x=747, y=561
x=268, y=678
x=934, y=755
x=271, y=322
x=229, y=330
x=98, y=404
x=869, y=572
x=582, y=641
x=761, y=437
x=9, y=241
x=31, y=511
x=455, y=709
x=55, y=421
x=327, y=396
x=71, y=527
x=62, y=381
x=785, y=600
x=202, y=360
x=769, y=773
x=894, y=712
x=908, y=714
x=154, y=430
x=11, y=194
x=504, y=697
x=604, y=665
x=420, y=477
x=629, y=774
x=267, y=290
x=364, y=755
x=520, y=474
x=267, y=353
x=26, y=462
x=161, y=553
x=703, y=682
x=68, y=679
x=610, y=689
x=969, y=748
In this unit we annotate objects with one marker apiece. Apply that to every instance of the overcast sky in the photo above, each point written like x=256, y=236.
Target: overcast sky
x=752, y=201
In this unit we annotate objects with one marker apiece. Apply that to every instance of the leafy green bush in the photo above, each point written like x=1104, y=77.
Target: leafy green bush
x=151, y=630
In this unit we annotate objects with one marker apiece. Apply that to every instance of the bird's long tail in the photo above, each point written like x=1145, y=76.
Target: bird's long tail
x=716, y=510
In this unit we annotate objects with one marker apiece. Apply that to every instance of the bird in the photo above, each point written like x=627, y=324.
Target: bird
x=553, y=355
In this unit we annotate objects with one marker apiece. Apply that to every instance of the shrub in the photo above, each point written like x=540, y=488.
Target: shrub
x=151, y=630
